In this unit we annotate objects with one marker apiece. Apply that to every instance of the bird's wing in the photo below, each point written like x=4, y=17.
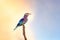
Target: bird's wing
x=21, y=21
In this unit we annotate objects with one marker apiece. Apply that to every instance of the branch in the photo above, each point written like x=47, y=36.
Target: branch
x=24, y=32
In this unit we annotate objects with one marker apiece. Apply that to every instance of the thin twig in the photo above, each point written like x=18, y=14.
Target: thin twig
x=24, y=33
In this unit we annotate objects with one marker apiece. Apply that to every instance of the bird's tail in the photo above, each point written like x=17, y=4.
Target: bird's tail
x=15, y=28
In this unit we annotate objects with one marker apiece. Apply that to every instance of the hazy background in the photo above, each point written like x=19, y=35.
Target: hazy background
x=11, y=11
x=44, y=26
x=46, y=22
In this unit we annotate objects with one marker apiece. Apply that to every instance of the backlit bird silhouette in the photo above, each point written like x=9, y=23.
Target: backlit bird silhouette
x=23, y=20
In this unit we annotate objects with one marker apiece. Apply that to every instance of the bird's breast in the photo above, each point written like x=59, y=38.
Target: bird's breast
x=25, y=20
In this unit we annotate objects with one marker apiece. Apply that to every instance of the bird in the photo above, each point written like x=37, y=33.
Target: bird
x=23, y=20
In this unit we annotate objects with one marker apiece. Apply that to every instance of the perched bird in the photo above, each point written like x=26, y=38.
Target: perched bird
x=23, y=20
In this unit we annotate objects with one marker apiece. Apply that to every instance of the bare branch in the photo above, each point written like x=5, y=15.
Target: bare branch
x=24, y=32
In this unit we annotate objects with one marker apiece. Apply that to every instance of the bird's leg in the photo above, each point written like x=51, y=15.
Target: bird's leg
x=24, y=32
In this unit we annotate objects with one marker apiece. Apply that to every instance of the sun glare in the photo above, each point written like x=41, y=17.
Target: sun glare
x=11, y=12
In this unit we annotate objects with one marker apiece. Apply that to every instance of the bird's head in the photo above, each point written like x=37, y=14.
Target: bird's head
x=26, y=15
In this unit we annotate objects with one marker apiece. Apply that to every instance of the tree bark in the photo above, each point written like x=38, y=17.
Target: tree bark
x=24, y=32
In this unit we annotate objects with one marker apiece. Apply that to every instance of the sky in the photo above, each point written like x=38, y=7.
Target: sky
x=44, y=26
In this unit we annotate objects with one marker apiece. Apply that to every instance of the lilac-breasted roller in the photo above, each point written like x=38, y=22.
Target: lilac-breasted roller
x=23, y=20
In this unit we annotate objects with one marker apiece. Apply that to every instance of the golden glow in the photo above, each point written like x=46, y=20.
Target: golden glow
x=10, y=13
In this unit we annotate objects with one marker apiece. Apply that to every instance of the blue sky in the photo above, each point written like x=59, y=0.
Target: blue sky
x=46, y=24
